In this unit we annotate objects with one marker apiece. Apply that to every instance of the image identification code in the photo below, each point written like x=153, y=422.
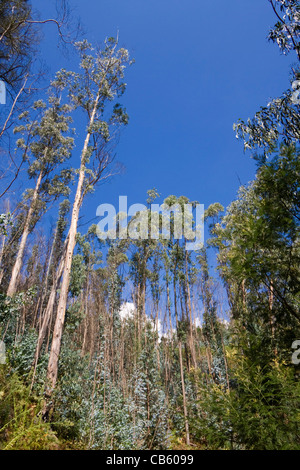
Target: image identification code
x=155, y=459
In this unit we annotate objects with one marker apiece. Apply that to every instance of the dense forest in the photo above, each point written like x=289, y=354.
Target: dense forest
x=139, y=343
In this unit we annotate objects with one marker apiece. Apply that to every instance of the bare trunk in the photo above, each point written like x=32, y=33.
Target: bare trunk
x=49, y=310
x=86, y=319
x=61, y=309
x=18, y=263
x=1, y=256
x=157, y=329
x=62, y=303
x=169, y=308
x=47, y=314
x=192, y=344
x=187, y=432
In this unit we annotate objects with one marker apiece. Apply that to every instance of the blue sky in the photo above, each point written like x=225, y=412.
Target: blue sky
x=199, y=66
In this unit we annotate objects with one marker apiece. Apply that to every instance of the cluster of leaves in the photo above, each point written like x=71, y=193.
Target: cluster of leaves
x=19, y=37
x=21, y=424
x=260, y=411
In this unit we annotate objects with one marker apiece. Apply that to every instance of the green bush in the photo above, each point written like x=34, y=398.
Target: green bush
x=21, y=425
x=259, y=412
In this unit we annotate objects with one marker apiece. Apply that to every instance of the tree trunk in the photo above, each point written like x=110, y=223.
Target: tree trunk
x=189, y=305
x=187, y=432
x=1, y=256
x=272, y=317
x=62, y=303
x=18, y=263
x=48, y=312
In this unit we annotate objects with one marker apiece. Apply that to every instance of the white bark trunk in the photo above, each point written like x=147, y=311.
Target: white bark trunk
x=18, y=263
x=62, y=304
x=49, y=310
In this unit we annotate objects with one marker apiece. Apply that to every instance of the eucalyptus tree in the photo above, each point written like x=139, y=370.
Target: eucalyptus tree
x=286, y=32
x=83, y=276
x=22, y=72
x=142, y=248
x=279, y=121
x=50, y=281
x=186, y=268
x=266, y=237
x=155, y=269
x=177, y=259
x=211, y=326
x=46, y=146
x=258, y=240
x=141, y=253
x=92, y=92
x=114, y=285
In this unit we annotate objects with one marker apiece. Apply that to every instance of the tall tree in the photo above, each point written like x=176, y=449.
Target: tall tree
x=258, y=240
x=279, y=121
x=99, y=84
x=48, y=147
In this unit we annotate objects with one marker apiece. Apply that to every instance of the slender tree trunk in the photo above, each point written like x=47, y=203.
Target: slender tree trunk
x=187, y=432
x=244, y=293
x=2, y=248
x=47, y=317
x=272, y=317
x=189, y=305
x=184, y=395
x=62, y=303
x=169, y=307
x=47, y=314
x=1, y=256
x=84, y=301
x=49, y=310
x=157, y=329
x=18, y=263
x=139, y=315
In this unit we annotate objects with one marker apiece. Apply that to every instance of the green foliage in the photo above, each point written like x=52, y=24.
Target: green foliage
x=18, y=41
x=10, y=314
x=259, y=412
x=278, y=122
x=108, y=424
x=121, y=383
x=5, y=220
x=258, y=240
x=286, y=31
x=21, y=424
x=78, y=275
x=22, y=353
x=73, y=386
